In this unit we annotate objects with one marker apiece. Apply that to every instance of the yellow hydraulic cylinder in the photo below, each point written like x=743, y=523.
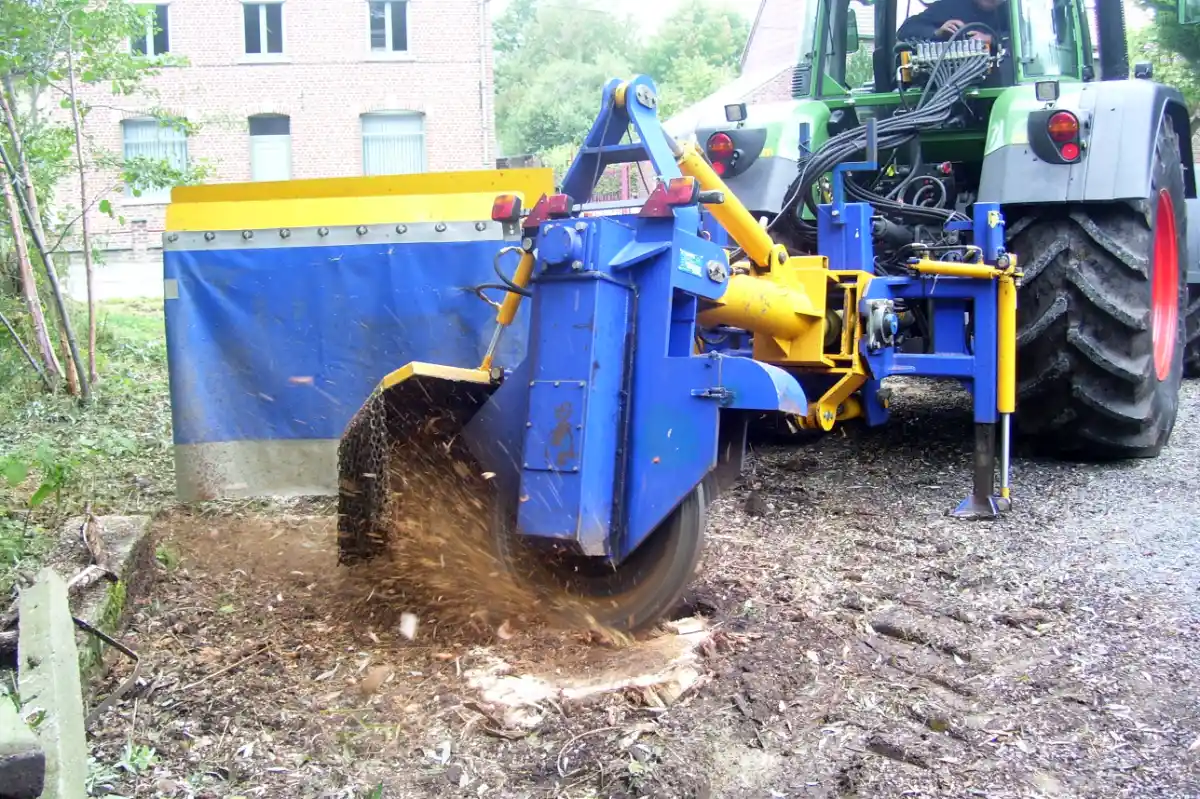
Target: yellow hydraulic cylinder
x=760, y=306
x=733, y=216
x=955, y=269
x=512, y=301
x=1006, y=383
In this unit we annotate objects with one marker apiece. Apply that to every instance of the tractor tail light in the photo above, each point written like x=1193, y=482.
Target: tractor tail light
x=720, y=147
x=721, y=152
x=1063, y=127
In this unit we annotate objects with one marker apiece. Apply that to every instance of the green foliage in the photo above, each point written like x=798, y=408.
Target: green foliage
x=1172, y=49
x=55, y=40
x=700, y=34
x=167, y=557
x=115, y=452
x=552, y=63
x=102, y=779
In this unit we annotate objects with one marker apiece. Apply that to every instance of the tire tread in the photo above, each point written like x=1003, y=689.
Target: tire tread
x=1087, y=388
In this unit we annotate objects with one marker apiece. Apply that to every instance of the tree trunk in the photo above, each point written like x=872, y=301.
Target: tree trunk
x=6, y=105
x=60, y=304
x=84, y=225
x=72, y=372
x=29, y=291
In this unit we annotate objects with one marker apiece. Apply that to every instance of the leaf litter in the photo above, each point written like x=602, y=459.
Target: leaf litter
x=845, y=638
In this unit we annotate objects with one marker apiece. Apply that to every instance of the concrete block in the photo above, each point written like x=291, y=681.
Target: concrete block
x=22, y=761
x=48, y=681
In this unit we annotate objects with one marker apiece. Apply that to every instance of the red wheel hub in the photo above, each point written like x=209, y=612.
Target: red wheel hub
x=1164, y=288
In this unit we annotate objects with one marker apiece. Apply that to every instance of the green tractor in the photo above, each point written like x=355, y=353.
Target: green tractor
x=1094, y=171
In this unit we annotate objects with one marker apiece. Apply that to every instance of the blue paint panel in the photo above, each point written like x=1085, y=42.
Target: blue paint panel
x=286, y=343
x=989, y=237
x=554, y=438
x=579, y=331
x=950, y=296
x=950, y=327
x=846, y=238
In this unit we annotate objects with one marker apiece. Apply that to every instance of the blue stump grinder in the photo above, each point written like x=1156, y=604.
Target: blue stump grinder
x=656, y=331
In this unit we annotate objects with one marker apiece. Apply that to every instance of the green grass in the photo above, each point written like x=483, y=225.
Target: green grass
x=59, y=455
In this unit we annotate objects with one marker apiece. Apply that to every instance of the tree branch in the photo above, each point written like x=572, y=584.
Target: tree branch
x=12, y=331
x=52, y=275
x=88, y=267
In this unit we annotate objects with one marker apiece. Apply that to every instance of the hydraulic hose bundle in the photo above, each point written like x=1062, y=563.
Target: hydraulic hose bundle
x=945, y=87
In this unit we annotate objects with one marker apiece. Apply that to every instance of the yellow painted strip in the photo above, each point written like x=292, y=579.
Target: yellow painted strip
x=483, y=180
x=329, y=212
x=420, y=369
x=409, y=199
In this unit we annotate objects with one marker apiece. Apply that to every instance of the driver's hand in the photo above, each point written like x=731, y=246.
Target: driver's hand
x=949, y=28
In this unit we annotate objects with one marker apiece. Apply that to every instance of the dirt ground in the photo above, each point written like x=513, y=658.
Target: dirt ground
x=847, y=639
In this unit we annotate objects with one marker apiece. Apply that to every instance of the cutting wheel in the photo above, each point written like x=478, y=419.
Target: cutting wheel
x=634, y=595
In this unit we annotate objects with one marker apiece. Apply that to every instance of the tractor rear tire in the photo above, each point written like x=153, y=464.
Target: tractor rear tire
x=1100, y=320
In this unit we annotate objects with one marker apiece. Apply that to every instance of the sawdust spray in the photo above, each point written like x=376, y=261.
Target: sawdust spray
x=442, y=563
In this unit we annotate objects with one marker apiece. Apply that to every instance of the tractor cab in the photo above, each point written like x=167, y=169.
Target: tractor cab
x=852, y=48
x=862, y=60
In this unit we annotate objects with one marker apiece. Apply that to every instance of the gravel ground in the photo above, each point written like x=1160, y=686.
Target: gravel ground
x=862, y=645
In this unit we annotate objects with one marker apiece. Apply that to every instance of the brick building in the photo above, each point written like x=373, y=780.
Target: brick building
x=292, y=89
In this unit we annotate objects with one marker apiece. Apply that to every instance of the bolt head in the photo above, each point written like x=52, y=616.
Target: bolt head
x=361, y=230
x=577, y=266
x=481, y=226
x=401, y=229
x=716, y=271
x=440, y=227
x=247, y=234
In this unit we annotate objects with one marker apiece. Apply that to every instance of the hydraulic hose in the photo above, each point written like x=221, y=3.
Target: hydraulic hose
x=934, y=109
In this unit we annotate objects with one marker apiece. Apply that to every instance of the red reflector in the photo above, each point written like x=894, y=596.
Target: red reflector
x=720, y=145
x=945, y=167
x=719, y=167
x=1063, y=126
x=1069, y=151
x=558, y=205
x=506, y=208
x=682, y=191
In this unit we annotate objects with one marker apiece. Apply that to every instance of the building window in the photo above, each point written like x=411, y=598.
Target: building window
x=389, y=26
x=156, y=40
x=393, y=143
x=264, y=28
x=147, y=139
x=270, y=147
